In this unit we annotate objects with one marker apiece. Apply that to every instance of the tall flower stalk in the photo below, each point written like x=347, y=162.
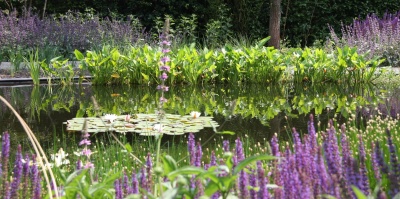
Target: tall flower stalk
x=164, y=68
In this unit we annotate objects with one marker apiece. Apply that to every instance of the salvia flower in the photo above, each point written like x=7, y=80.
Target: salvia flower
x=18, y=169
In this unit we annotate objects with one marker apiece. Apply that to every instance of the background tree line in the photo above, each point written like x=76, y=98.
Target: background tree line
x=302, y=22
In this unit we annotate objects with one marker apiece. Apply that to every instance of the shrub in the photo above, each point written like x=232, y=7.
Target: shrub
x=373, y=35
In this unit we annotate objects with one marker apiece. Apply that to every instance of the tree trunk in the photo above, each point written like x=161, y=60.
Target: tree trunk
x=274, y=23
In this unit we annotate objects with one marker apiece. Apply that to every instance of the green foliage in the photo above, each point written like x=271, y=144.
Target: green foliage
x=35, y=66
x=219, y=30
x=229, y=65
x=213, y=180
x=81, y=184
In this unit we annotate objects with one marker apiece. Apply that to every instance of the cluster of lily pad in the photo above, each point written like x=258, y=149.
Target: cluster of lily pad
x=144, y=124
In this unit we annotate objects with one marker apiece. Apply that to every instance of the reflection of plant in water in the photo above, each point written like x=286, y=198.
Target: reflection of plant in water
x=247, y=101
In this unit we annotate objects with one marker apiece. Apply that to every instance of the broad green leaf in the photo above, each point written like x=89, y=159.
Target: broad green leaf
x=79, y=56
x=169, y=164
x=188, y=170
x=145, y=77
x=359, y=193
x=128, y=147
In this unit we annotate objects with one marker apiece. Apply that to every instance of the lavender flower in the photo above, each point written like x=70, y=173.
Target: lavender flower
x=239, y=150
x=394, y=173
x=18, y=169
x=149, y=168
x=118, y=191
x=375, y=164
x=253, y=184
x=191, y=148
x=364, y=182
x=225, y=144
x=198, y=155
x=126, y=188
x=26, y=177
x=135, y=184
x=35, y=176
x=275, y=146
x=243, y=181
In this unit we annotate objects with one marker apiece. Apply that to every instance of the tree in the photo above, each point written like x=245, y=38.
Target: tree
x=274, y=23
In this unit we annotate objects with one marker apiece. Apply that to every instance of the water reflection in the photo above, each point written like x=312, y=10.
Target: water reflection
x=255, y=110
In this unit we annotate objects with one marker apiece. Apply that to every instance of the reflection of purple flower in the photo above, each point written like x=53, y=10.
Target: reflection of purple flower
x=165, y=59
x=164, y=76
x=165, y=68
x=163, y=88
x=191, y=148
x=162, y=100
x=165, y=42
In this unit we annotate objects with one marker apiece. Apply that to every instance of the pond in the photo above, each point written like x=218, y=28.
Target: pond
x=254, y=111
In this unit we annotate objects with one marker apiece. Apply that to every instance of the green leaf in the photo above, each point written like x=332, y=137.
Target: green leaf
x=128, y=147
x=226, y=133
x=359, y=193
x=145, y=77
x=169, y=164
x=250, y=160
x=78, y=55
x=188, y=170
x=211, y=188
x=263, y=42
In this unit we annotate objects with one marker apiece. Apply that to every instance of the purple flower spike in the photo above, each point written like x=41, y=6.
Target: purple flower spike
x=78, y=165
x=126, y=188
x=198, y=155
x=225, y=144
x=118, y=191
x=275, y=146
x=363, y=170
x=375, y=164
x=135, y=184
x=26, y=177
x=243, y=184
x=18, y=169
x=35, y=180
x=149, y=168
x=191, y=148
x=239, y=150
x=5, y=154
x=84, y=142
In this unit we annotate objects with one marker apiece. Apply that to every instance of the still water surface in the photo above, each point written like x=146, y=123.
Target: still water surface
x=257, y=111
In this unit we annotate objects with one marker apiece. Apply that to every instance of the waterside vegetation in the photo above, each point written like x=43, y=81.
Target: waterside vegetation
x=357, y=158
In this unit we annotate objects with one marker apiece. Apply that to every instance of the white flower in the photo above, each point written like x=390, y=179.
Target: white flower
x=110, y=117
x=158, y=127
x=195, y=114
x=127, y=118
x=60, y=158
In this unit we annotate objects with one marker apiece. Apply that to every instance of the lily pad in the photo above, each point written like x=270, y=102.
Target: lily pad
x=144, y=124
